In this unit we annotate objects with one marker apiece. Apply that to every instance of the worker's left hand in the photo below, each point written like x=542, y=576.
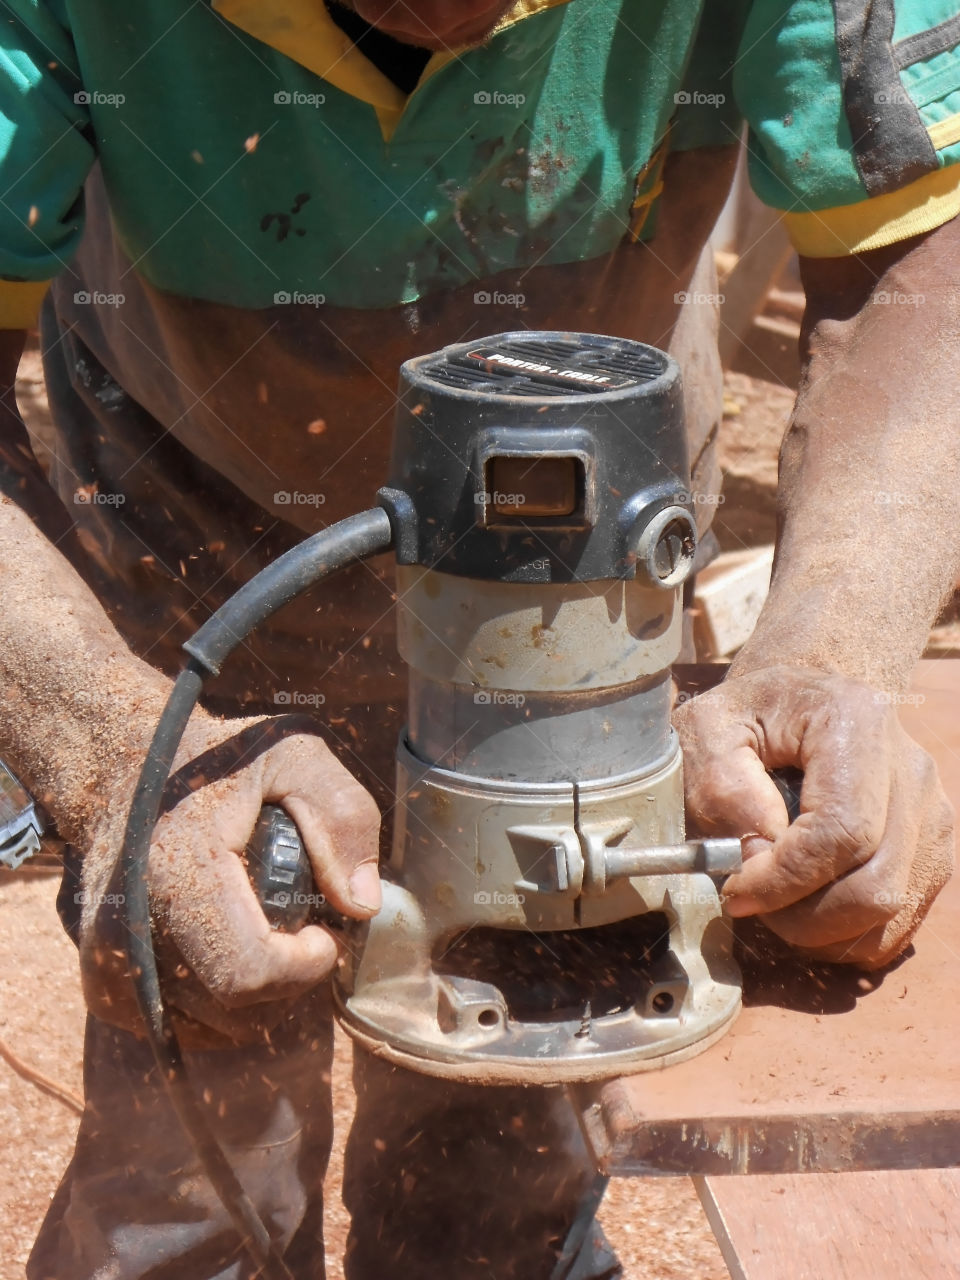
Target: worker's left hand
x=853, y=877
x=227, y=976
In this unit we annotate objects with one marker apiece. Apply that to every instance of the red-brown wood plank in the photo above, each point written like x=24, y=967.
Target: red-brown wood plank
x=838, y=1226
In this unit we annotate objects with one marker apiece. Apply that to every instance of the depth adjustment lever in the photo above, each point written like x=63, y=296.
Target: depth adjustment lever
x=574, y=863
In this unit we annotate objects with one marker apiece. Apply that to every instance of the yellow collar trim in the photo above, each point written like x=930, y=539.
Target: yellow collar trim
x=304, y=31
x=525, y=9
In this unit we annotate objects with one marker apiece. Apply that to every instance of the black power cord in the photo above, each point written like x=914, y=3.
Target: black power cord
x=343, y=544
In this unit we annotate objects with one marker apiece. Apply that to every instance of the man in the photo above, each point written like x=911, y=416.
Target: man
x=282, y=201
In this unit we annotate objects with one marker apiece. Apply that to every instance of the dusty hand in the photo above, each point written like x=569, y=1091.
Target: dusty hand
x=221, y=963
x=854, y=876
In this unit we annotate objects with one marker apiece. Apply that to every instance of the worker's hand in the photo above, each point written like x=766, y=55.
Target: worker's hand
x=221, y=963
x=852, y=878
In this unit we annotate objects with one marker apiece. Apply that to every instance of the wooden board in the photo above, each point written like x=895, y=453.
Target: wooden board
x=838, y=1226
x=827, y=1068
x=728, y=598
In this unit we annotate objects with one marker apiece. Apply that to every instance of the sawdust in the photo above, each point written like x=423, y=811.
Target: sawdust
x=656, y=1225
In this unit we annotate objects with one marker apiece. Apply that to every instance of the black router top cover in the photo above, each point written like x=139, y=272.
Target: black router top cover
x=535, y=457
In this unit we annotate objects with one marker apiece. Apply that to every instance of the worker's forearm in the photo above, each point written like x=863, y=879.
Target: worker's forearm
x=72, y=693
x=77, y=705
x=869, y=543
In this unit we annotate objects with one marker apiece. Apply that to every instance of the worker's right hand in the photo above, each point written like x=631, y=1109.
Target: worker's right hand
x=221, y=964
x=853, y=877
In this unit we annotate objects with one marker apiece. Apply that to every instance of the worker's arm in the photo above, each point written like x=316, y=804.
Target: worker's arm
x=78, y=713
x=868, y=549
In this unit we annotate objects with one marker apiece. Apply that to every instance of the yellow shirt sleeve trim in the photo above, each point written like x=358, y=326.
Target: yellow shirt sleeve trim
x=945, y=132
x=856, y=228
x=20, y=302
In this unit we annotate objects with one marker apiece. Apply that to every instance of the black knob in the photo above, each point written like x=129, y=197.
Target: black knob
x=282, y=877
x=789, y=782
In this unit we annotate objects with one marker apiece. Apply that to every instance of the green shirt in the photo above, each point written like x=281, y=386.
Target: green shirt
x=236, y=173
x=250, y=153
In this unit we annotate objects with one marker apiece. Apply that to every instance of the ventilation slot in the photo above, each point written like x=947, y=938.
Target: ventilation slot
x=567, y=367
